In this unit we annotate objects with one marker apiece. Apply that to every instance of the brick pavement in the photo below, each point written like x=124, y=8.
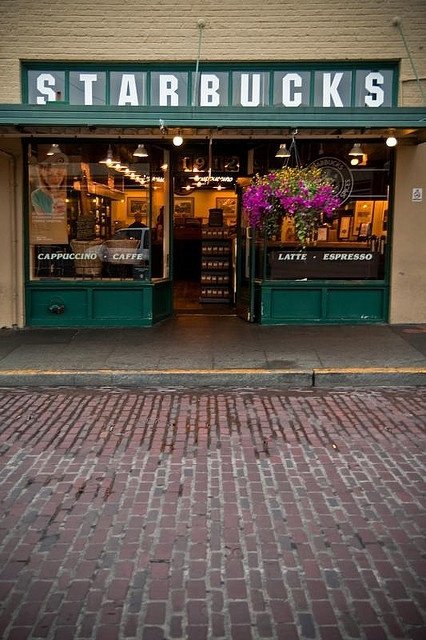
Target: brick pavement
x=238, y=515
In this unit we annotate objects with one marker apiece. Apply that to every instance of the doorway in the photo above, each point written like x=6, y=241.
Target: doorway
x=204, y=253
x=206, y=225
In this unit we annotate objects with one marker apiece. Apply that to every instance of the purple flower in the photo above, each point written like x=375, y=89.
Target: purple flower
x=292, y=192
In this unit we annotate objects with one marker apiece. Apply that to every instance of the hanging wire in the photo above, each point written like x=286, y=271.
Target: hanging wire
x=294, y=146
x=200, y=24
x=210, y=157
x=293, y=152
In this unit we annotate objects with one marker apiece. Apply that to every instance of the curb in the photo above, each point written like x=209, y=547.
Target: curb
x=219, y=378
x=178, y=378
x=370, y=377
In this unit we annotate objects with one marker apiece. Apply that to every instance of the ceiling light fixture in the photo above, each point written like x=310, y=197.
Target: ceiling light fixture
x=356, y=150
x=391, y=141
x=178, y=140
x=286, y=154
x=54, y=148
x=140, y=151
x=109, y=160
x=283, y=152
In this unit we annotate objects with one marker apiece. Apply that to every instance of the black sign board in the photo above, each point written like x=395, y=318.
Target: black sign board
x=323, y=263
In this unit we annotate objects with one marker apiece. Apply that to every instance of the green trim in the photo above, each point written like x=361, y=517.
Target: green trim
x=249, y=117
x=219, y=65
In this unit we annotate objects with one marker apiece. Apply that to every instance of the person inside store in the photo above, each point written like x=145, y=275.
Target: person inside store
x=160, y=224
x=137, y=224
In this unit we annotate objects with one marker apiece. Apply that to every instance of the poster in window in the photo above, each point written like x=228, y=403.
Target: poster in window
x=48, y=205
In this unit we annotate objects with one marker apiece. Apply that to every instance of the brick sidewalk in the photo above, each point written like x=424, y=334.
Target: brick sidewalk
x=237, y=515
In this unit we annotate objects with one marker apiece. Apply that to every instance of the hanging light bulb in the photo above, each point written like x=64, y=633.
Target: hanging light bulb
x=356, y=150
x=54, y=148
x=391, y=141
x=178, y=140
x=282, y=152
x=140, y=151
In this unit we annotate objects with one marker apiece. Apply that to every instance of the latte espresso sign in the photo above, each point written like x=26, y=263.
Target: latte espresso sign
x=320, y=263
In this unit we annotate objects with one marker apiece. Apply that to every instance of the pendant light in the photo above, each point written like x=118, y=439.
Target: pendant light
x=54, y=148
x=109, y=160
x=283, y=152
x=178, y=140
x=391, y=141
x=140, y=151
x=356, y=150
x=286, y=154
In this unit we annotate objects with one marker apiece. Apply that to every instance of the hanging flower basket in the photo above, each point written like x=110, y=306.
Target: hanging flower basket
x=306, y=195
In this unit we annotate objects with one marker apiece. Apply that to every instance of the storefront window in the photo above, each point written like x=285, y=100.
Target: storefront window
x=353, y=242
x=96, y=211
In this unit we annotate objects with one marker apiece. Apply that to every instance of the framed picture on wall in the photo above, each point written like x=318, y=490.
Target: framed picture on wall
x=184, y=207
x=137, y=206
x=344, y=229
x=363, y=215
x=380, y=209
x=229, y=206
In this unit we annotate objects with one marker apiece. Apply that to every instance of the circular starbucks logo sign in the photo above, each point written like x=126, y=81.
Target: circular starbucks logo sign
x=339, y=175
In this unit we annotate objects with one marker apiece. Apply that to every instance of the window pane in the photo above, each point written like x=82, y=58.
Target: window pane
x=93, y=212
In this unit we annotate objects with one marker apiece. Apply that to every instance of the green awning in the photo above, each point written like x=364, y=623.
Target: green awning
x=23, y=115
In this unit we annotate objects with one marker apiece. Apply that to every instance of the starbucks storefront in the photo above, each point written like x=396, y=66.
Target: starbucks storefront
x=123, y=227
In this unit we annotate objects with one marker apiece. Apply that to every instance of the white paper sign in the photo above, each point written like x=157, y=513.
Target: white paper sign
x=417, y=194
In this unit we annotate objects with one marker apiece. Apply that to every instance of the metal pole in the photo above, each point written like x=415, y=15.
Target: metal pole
x=397, y=23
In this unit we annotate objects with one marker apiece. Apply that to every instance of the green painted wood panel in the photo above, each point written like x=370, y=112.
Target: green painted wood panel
x=97, y=304
x=356, y=304
x=296, y=304
x=118, y=304
x=322, y=302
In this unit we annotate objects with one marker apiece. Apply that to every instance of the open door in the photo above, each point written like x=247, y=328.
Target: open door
x=245, y=265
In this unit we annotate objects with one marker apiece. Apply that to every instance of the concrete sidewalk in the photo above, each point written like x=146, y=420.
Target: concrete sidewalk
x=211, y=351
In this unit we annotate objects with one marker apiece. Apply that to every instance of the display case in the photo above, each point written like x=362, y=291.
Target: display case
x=216, y=265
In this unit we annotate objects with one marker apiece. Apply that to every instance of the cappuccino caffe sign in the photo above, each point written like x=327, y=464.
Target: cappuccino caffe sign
x=368, y=85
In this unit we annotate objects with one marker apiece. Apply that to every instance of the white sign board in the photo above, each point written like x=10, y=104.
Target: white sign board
x=417, y=194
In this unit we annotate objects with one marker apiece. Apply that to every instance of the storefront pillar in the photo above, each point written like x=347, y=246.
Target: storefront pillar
x=11, y=236
x=408, y=279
